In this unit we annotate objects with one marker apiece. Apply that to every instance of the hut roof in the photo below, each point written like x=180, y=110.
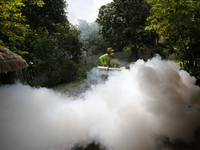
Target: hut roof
x=10, y=61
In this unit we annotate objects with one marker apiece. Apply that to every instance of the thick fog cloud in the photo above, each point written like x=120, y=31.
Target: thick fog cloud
x=133, y=109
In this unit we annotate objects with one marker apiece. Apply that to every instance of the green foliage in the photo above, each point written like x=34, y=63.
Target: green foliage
x=195, y=71
x=179, y=21
x=127, y=48
x=54, y=56
x=123, y=24
x=13, y=26
x=52, y=12
x=67, y=37
x=11, y=17
x=40, y=32
x=115, y=63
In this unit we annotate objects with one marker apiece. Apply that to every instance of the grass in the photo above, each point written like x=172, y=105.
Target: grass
x=65, y=87
x=178, y=62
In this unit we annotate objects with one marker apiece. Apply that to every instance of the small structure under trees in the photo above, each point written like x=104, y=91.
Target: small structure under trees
x=10, y=61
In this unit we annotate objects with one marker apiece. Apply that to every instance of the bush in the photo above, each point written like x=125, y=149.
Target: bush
x=63, y=71
x=53, y=57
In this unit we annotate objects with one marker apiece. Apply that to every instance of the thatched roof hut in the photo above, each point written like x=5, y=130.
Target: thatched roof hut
x=10, y=61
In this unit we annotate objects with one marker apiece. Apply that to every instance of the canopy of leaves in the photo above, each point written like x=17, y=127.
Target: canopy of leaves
x=179, y=22
x=12, y=22
x=123, y=23
x=52, y=12
x=40, y=32
x=54, y=55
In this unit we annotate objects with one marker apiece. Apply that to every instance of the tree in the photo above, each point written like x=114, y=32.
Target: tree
x=52, y=12
x=123, y=23
x=13, y=25
x=93, y=42
x=54, y=56
x=179, y=21
x=85, y=28
x=49, y=44
x=43, y=18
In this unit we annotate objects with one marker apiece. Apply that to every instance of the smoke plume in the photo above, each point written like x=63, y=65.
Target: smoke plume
x=130, y=110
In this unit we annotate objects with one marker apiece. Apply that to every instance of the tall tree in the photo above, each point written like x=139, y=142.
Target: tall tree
x=53, y=43
x=55, y=55
x=52, y=12
x=179, y=20
x=13, y=24
x=123, y=23
x=50, y=44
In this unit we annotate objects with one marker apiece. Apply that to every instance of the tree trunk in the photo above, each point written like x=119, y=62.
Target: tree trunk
x=134, y=53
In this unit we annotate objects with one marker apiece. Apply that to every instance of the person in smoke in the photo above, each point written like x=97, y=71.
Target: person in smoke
x=105, y=59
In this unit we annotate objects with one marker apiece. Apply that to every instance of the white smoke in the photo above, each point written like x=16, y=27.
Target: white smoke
x=128, y=111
